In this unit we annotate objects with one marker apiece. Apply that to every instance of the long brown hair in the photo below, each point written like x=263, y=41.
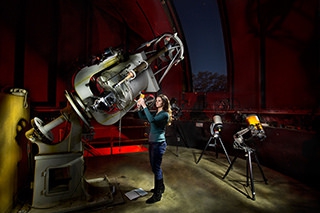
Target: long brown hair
x=166, y=106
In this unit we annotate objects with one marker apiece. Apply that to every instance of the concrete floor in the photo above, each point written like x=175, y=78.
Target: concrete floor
x=198, y=188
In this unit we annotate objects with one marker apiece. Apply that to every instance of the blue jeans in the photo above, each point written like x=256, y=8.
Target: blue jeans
x=156, y=151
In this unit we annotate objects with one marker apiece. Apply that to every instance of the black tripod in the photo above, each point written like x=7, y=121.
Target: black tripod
x=179, y=136
x=214, y=137
x=249, y=172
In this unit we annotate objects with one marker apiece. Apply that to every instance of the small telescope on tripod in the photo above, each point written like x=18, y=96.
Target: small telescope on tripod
x=215, y=129
x=256, y=131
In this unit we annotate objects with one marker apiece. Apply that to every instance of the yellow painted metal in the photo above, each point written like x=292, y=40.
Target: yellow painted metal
x=14, y=118
x=254, y=121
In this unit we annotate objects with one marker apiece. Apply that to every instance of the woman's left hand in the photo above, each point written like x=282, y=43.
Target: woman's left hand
x=141, y=102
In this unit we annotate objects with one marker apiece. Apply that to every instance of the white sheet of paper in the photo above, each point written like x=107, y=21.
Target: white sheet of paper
x=135, y=193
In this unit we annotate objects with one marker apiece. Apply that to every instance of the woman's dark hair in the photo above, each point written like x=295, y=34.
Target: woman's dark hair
x=166, y=106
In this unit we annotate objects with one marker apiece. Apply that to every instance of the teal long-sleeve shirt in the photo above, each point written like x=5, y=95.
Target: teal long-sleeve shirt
x=158, y=123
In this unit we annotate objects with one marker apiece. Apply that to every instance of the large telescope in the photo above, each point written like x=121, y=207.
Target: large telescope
x=104, y=91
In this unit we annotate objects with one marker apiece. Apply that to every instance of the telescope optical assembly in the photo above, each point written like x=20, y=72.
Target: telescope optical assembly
x=108, y=90
x=216, y=126
x=255, y=129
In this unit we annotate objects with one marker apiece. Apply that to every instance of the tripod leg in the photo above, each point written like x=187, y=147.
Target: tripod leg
x=230, y=166
x=181, y=136
x=177, y=151
x=225, y=151
x=177, y=132
x=215, y=146
x=251, y=175
x=264, y=178
x=204, y=150
x=247, y=169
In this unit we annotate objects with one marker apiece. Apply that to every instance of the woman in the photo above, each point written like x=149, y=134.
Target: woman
x=157, y=141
